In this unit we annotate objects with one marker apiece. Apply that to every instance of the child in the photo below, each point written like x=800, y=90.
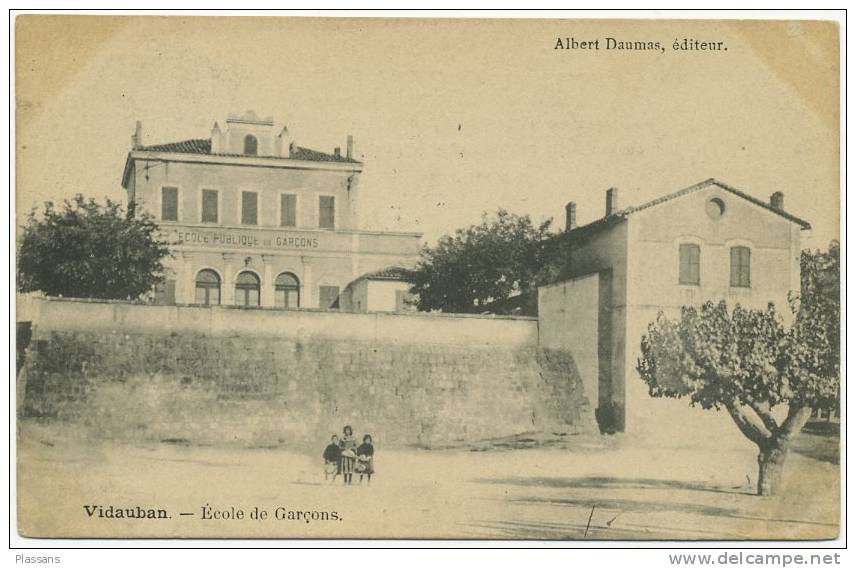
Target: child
x=365, y=458
x=332, y=457
x=347, y=444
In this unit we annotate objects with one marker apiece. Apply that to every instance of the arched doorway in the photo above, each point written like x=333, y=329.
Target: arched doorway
x=207, y=288
x=287, y=291
x=247, y=289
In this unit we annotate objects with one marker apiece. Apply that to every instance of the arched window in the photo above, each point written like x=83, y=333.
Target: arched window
x=251, y=145
x=207, y=288
x=287, y=289
x=740, y=265
x=247, y=287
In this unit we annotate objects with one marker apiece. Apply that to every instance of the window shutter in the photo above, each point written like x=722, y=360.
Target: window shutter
x=326, y=212
x=740, y=266
x=288, y=210
x=249, y=208
x=744, y=266
x=328, y=297
x=689, y=264
x=251, y=145
x=209, y=206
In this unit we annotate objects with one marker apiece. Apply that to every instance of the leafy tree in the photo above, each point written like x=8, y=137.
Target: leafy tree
x=818, y=311
x=85, y=250
x=747, y=362
x=480, y=264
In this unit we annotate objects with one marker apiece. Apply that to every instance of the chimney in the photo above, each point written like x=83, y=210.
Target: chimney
x=777, y=201
x=337, y=152
x=349, y=149
x=611, y=201
x=137, y=138
x=283, y=143
x=570, y=216
x=216, y=140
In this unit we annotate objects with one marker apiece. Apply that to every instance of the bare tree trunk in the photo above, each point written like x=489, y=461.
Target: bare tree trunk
x=771, y=465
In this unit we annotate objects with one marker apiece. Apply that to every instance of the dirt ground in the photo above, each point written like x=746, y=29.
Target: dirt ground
x=599, y=488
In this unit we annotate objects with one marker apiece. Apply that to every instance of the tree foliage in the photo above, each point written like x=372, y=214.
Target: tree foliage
x=818, y=321
x=748, y=362
x=480, y=264
x=85, y=250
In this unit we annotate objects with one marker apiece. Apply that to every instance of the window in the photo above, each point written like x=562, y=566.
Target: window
x=209, y=206
x=403, y=301
x=288, y=210
x=169, y=204
x=251, y=145
x=207, y=288
x=247, y=288
x=715, y=208
x=287, y=291
x=165, y=293
x=249, y=208
x=328, y=298
x=689, y=264
x=327, y=212
x=740, y=260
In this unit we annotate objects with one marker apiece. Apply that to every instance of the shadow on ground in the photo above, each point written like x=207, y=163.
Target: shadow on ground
x=671, y=498
x=613, y=483
x=821, y=441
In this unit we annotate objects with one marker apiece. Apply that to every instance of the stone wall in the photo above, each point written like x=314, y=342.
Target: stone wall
x=108, y=378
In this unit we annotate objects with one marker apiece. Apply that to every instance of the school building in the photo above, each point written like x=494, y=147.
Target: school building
x=253, y=219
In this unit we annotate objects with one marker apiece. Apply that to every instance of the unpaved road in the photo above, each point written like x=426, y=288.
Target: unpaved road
x=619, y=491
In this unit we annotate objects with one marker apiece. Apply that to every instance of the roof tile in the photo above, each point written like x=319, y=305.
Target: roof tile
x=203, y=146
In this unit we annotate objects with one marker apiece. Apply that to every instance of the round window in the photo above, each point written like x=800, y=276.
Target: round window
x=715, y=208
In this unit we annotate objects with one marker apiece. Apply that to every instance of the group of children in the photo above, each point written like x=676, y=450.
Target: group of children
x=344, y=457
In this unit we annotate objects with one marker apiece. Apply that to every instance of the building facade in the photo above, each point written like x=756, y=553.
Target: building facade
x=706, y=242
x=253, y=219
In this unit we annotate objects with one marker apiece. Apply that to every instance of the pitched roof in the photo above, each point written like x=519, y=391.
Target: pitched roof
x=619, y=216
x=712, y=181
x=203, y=146
x=388, y=273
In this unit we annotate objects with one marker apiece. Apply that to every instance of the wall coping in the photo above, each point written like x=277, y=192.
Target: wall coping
x=439, y=315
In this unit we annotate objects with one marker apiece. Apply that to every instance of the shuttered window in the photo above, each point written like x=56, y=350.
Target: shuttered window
x=169, y=204
x=690, y=271
x=209, y=206
x=740, y=269
x=249, y=208
x=288, y=210
x=328, y=297
x=327, y=212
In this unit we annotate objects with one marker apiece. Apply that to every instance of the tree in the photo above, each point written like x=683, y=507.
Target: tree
x=481, y=264
x=85, y=250
x=818, y=311
x=748, y=363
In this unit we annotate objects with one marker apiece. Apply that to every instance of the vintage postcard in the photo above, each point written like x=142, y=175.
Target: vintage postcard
x=427, y=278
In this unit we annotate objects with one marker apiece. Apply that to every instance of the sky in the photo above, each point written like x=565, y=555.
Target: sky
x=451, y=117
